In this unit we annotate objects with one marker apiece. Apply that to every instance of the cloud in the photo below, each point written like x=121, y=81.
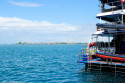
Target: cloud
x=13, y=30
x=25, y=4
x=21, y=24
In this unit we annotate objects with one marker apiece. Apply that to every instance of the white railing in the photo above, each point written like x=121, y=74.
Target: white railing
x=84, y=54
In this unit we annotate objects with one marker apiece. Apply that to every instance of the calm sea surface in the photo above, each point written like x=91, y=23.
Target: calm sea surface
x=48, y=64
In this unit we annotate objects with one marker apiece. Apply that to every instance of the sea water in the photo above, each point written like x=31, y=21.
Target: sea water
x=48, y=64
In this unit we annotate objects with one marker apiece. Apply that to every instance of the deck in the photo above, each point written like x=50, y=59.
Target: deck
x=98, y=64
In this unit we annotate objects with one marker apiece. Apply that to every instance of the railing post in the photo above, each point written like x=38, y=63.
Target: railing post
x=122, y=14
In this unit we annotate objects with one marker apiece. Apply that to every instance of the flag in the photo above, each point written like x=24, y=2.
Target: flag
x=122, y=1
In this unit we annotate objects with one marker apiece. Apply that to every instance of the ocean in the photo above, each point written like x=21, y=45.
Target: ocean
x=48, y=64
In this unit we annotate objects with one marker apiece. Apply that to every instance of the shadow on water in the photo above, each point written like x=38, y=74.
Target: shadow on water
x=87, y=76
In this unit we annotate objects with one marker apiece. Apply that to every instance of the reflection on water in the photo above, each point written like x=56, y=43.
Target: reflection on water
x=48, y=64
x=92, y=76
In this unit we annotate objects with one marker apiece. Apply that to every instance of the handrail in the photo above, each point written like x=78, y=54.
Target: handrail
x=113, y=7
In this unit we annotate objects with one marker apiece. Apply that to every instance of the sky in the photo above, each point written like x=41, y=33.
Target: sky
x=47, y=20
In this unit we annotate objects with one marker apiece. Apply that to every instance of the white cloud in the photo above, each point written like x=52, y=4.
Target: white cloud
x=25, y=4
x=21, y=24
x=13, y=30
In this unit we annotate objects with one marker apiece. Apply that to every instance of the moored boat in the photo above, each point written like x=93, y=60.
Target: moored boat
x=106, y=47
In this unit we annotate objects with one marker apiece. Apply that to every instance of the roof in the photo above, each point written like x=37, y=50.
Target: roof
x=110, y=18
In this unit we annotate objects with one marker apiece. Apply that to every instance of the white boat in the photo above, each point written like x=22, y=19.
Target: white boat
x=106, y=49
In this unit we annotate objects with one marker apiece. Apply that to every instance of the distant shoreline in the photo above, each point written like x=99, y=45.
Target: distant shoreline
x=25, y=43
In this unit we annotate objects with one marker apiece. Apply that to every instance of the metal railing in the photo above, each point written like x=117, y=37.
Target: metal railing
x=113, y=67
x=85, y=53
x=111, y=5
x=82, y=53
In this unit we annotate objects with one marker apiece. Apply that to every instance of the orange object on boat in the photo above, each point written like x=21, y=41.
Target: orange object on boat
x=112, y=56
x=90, y=45
x=94, y=44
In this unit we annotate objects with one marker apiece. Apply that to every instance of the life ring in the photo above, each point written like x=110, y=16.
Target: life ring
x=109, y=60
x=94, y=56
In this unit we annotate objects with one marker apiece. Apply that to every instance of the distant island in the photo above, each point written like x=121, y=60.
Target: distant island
x=47, y=43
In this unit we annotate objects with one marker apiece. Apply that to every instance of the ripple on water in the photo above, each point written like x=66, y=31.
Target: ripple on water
x=47, y=64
